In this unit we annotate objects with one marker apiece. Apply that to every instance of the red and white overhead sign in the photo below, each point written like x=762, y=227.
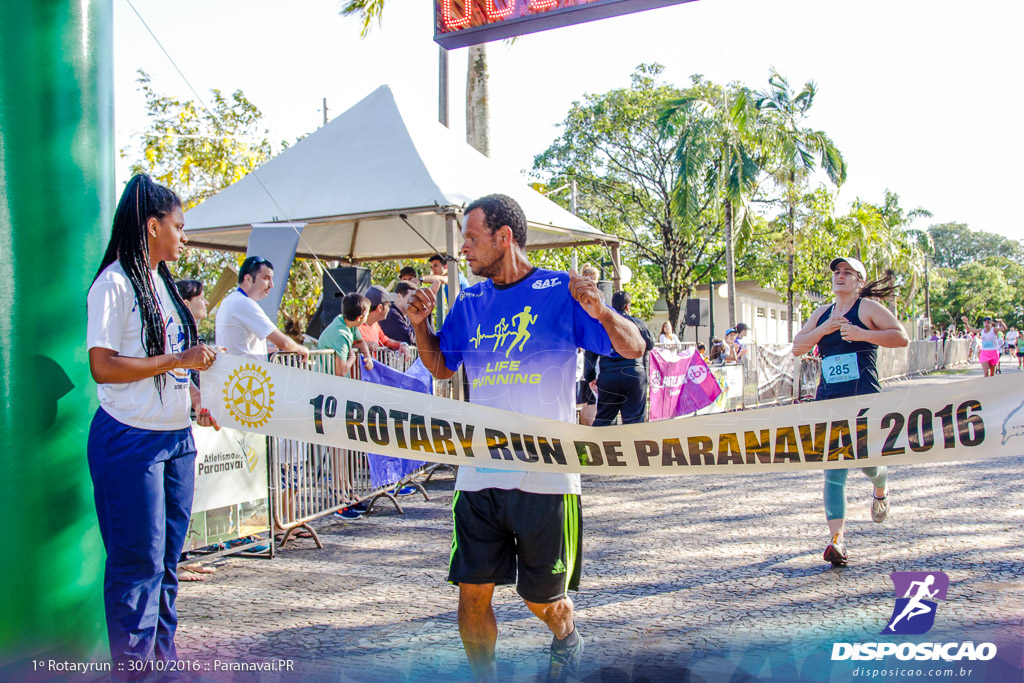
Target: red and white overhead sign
x=458, y=23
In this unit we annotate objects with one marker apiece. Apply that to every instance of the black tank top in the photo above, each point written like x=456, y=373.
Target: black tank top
x=832, y=345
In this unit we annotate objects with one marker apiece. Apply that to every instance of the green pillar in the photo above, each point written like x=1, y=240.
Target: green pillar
x=57, y=197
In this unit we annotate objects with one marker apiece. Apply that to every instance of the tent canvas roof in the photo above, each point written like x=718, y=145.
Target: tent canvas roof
x=350, y=181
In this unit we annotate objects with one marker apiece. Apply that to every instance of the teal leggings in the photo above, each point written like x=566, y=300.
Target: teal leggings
x=835, y=488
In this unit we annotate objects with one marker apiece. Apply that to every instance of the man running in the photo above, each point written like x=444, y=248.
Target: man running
x=519, y=528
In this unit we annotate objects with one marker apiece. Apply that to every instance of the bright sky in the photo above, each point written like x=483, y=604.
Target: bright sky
x=921, y=97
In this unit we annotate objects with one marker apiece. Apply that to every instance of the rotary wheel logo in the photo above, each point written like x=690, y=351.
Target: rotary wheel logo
x=249, y=396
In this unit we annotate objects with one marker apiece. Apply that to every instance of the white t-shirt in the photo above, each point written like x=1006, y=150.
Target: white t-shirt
x=1011, y=337
x=116, y=324
x=242, y=327
x=989, y=340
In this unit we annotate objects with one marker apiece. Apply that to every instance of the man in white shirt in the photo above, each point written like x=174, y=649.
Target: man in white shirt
x=242, y=327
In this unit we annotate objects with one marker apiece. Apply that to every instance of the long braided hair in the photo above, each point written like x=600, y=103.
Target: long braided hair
x=141, y=200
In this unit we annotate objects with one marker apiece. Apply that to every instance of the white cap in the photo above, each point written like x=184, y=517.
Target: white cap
x=853, y=263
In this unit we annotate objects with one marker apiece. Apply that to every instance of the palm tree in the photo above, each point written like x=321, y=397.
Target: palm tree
x=477, y=134
x=797, y=150
x=716, y=149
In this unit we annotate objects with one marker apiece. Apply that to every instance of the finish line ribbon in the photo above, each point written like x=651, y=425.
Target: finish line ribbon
x=962, y=421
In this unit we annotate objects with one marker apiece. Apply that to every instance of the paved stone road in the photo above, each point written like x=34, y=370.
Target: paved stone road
x=685, y=578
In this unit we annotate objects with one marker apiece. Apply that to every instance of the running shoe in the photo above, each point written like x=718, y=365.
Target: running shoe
x=879, y=507
x=359, y=507
x=348, y=513
x=835, y=551
x=404, y=491
x=565, y=661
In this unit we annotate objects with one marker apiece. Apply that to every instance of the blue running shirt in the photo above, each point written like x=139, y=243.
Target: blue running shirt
x=518, y=345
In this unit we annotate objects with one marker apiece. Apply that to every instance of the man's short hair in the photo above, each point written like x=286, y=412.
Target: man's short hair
x=499, y=210
x=354, y=306
x=403, y=288
x=251, y=266
x=407, y=270
x=620, y=300
x=437, y=257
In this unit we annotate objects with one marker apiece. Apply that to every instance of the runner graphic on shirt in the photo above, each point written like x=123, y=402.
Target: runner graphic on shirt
x=502, y=332
x=522, y=334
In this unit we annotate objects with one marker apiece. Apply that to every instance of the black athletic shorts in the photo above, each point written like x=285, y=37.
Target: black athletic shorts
x=530, y=539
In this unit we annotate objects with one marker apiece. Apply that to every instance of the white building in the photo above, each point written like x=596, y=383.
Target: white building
x=763, y=310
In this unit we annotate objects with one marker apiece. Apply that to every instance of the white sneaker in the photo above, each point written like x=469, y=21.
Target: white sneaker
x=879, y=507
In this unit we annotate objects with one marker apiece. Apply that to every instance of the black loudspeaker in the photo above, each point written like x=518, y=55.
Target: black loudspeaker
x=348, y=279
x=698, y=311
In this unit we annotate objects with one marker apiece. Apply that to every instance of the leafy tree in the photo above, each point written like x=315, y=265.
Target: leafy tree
x=815, y=234
x=477, y=119
x=795, y=151
x=956, y=244
x=974, y=290
x=626, y=169
x=880, y=236
x=716, y=155
x=199, y=151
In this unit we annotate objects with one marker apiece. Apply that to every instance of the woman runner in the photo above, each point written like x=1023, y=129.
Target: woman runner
x=142, y=343
x=848, y=333
x=989, y=337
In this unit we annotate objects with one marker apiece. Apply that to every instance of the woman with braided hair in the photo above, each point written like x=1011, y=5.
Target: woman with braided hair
x=142, y=344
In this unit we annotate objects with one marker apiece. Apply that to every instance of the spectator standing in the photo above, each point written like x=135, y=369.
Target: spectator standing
x=396, y=325
x=438, y=281
x=409, y=274
x=622, y=382
x=509, y=523
x=343, y=335
x=380, y=303
x=242, y=327
x=667, y=336
x=1011, y=340
x=587, y=382
x=729, y=350
x=738, y=343
x=142, y=343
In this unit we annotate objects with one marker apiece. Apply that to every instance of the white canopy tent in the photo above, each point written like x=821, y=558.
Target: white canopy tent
x=373, y=184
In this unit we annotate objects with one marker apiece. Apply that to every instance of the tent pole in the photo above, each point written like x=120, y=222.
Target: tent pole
x=452, y=262
x=616, y=267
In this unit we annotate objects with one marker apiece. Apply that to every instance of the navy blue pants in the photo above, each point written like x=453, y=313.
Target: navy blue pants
x=621, y=390
x=143, y=482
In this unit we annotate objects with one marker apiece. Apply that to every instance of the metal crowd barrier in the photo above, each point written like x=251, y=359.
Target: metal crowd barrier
x=309, y=481
x=772, y=375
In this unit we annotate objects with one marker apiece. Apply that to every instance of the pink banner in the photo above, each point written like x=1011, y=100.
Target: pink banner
x=680, y=384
